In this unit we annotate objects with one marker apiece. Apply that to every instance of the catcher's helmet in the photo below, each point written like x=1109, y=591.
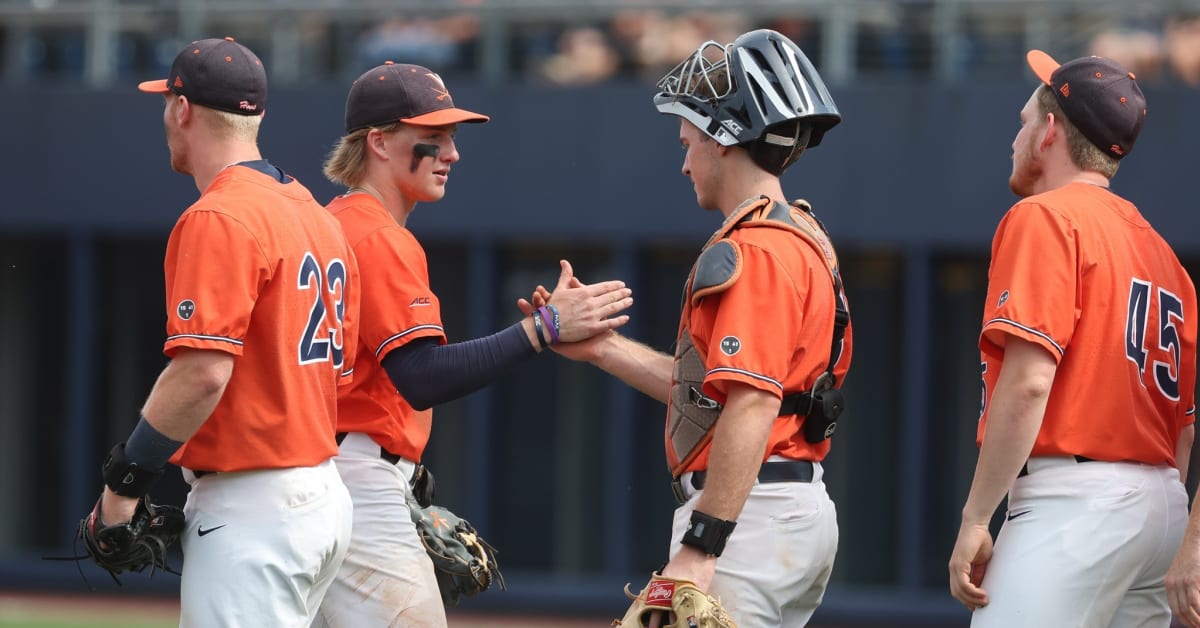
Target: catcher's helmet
x=761, y=80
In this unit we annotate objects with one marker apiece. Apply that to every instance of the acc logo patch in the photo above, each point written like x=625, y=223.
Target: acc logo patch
x=1003, y=299
x=730, y=345
x=186, y=309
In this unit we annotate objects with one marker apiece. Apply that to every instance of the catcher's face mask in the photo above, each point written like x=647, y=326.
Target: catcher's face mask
x=734, y=93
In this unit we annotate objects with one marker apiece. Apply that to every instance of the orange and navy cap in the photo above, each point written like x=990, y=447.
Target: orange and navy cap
x=400, y=92
x=1098, y=96
x=216, y=73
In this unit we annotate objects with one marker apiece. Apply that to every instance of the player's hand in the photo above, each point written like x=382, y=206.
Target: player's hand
x=968, y=564
x=115, y=509
x=585, y=310
x=689, y=564
x=588, y=350
x=1183, y=585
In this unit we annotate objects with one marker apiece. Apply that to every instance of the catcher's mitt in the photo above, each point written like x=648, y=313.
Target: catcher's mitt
x=464, y=563
x=133, y=546
x=692, y=608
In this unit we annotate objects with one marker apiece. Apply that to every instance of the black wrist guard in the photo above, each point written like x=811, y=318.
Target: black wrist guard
x=708, y=533
x=126, y=478
x=422, y=485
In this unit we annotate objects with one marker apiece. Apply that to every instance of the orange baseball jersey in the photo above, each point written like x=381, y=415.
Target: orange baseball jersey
x=259, y=269
x=771, y=330
x=398, y=306
x=1078, y=271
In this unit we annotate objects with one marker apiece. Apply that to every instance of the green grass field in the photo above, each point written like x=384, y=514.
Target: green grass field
x=29, y=621
x=92, y=611
x=23, y=610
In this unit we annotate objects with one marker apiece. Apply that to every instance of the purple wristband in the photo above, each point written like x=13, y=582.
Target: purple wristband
x=550, y=327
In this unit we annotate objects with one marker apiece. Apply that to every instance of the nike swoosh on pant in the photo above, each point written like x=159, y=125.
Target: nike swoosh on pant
x=200, y=531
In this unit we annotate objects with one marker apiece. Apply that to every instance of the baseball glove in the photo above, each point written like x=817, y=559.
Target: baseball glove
x=464, y=563
x=692, y=608
x=133, y=546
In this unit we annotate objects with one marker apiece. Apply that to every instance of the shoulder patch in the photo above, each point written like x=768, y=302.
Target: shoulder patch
x=186, y=309
x=718, y=267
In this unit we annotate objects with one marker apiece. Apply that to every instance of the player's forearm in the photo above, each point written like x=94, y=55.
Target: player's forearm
x=1183, y=451
x=187, y=391
x=738, y=445
x=426, y=373
x=1014, y=418
x=636, y=364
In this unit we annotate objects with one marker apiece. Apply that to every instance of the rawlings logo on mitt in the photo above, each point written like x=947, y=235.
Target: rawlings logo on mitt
x=686, y=606
x=142, y=542
x=464, y=563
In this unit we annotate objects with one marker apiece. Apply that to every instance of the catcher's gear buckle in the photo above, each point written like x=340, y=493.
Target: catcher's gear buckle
x=701, y=400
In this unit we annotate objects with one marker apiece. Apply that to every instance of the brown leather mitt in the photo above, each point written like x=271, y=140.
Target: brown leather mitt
x=688, y=606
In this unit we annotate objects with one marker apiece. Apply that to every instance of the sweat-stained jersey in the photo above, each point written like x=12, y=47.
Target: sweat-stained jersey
x=771, y=329
x=258, y=269
x=398, y=306
x=1078, y=271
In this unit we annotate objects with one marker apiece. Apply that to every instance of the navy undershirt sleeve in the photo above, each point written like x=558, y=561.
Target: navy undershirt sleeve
x=427, y=373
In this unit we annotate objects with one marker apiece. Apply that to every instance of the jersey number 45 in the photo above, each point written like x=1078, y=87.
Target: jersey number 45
x=1170, y=315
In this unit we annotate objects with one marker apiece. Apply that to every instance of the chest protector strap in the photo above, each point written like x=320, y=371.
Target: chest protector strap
x=692, y=415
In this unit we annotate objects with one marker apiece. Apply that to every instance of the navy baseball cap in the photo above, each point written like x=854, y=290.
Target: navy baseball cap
x=216, y=73
x=1098, y=96
x=400, y=92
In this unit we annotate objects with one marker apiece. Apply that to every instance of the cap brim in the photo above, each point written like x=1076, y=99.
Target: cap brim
x=154, y=87
x=1042, y=64
x=452, y=115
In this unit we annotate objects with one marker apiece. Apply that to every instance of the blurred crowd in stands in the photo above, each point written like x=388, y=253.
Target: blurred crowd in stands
x=1156, y=53
x=641, y=45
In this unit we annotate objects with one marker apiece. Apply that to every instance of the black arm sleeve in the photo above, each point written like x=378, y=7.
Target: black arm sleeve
x=427, y=373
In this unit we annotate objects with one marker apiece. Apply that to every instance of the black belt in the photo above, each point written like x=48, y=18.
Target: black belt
x=383, y=453
x=341, y=436
x=772, y=471
x=1025, y=467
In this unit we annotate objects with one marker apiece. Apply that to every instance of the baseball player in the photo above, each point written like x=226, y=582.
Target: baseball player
x=398, y=151
x=261, y=298
x=1088, y=354
x=764, y=339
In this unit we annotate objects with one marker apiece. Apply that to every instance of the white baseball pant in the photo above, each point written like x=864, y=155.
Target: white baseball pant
x=261, y=547
x=387, y=578
x=1087, y=545
x=778, y=560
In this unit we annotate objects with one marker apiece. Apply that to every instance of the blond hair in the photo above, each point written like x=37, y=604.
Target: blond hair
x=230, y=126
x=347, y=163
x=1084, y=154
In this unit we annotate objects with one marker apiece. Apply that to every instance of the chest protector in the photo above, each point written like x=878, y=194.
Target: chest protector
x=691, y=415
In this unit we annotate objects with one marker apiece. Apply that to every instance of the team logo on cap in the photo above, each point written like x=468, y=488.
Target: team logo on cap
x=440, y=90
x=186, y=309
x=730, y=345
